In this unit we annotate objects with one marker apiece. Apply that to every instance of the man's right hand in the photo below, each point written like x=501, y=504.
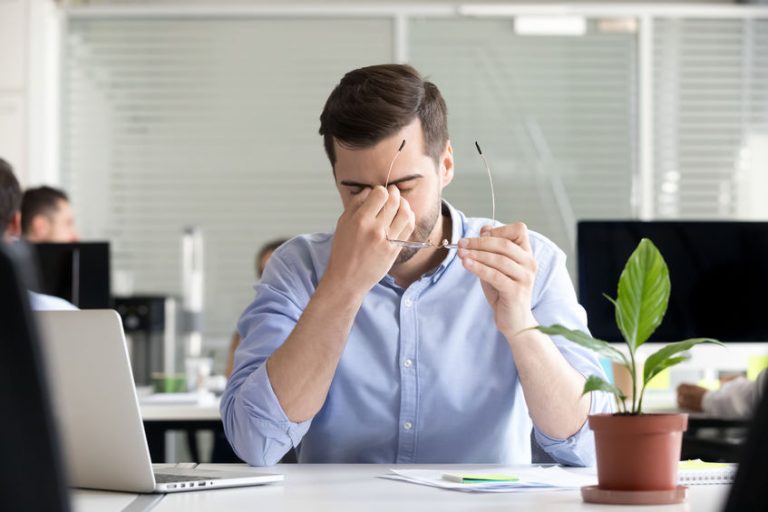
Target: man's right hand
x=361, y=254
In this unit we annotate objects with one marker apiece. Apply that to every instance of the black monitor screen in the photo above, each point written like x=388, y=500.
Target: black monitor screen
x=76, y=272
x=718, y=271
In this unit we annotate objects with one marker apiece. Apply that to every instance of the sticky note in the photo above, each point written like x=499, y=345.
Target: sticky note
x=478, y=478
x=700, y=464
x=756, y=364
x=660, y=381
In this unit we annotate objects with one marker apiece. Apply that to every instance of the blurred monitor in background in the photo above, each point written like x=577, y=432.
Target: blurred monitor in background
x=76, y=272
x=718, y=272
x=46, y=216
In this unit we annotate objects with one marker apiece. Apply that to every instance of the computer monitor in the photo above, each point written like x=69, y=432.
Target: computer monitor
x=77, y=272
x=31, y=468
x=718, y=271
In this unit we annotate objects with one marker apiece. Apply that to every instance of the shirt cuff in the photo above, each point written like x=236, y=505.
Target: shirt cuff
x=578, y=449
x=262, y=404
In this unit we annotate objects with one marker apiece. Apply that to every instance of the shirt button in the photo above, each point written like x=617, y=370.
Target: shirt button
x=407, y=425
x=407, y=363
x=408, y=303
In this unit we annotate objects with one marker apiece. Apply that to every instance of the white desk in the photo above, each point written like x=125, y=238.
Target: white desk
x=354, y=487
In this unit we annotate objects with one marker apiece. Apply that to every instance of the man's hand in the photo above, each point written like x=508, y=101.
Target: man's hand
x=361, y=254
x=502, y=258
x=690, y=397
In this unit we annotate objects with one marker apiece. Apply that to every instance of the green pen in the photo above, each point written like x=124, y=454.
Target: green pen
x=479, y=478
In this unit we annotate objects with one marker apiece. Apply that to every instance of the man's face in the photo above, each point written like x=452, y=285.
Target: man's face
x=416, y=174
x=57, y=227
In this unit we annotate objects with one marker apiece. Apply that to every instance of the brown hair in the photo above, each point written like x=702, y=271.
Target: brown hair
x=39, y=201
x=375, y=102
x=10, y=195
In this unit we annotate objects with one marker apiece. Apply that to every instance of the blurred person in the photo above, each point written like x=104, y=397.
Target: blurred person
x=222, y=451
x=736, y=399
x=260, y=263
x=10, y=226
x=46, y=216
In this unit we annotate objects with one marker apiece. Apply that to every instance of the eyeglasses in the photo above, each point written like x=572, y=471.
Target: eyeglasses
x=445, y=244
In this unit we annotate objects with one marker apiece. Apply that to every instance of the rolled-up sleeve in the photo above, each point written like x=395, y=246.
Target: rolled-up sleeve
x=254, y=421
x=555, y=302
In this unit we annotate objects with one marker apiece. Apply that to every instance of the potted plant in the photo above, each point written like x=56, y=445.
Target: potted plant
x=637, y=453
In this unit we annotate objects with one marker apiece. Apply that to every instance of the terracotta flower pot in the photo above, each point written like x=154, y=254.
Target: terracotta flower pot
x=638, y=453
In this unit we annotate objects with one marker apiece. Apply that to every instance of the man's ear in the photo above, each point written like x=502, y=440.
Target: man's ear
x=14, y=227
x=446, y=164
x=39, y=228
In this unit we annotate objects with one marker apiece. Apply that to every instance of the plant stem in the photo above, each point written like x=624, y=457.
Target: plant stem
x=633, y=372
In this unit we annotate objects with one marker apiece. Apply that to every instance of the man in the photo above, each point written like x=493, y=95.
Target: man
x=46, y=216
x=10, y=228
x=366, y=351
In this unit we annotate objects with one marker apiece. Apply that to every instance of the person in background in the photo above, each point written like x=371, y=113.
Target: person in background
x=261, y=262
x=46, y=216
x=222, y=451
x=10, y=228
x=736, y=399
x=376, y=343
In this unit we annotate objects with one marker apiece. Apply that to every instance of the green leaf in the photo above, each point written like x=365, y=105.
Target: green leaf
x=659, y=360
x=595, y=383
x=585, y=340
x=661, y=366
x=643, y=294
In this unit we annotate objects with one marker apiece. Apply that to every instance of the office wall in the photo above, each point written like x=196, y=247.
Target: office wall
x=170, y=121
x=29, y=83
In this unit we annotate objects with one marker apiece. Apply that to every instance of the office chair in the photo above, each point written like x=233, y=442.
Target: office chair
x=31, y=469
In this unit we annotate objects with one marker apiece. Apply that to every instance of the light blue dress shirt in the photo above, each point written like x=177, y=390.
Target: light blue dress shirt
x=425, y=376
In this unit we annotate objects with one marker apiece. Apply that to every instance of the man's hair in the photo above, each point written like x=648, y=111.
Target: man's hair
x=39, y=201
x=375, y=102
x=10, y=195
x=267, y=248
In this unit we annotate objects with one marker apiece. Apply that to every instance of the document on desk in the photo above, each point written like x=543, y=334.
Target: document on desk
x=513, y=479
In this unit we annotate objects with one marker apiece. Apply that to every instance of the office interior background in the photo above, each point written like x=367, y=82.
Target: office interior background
x=160, y=115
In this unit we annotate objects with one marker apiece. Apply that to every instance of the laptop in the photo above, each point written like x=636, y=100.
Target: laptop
x=98, y=411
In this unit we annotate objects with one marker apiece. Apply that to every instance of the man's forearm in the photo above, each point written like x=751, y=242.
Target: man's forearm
x=552, y=387
x=302, y=369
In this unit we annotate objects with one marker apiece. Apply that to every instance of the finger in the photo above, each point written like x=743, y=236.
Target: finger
x=498, y=245
x=390, y=208
x=502, y=263
x=372, y=204
x=404, y=222
x=487, y=274
x=516, y=232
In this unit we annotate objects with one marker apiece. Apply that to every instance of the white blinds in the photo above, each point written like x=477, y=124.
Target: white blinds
x=207, y=122
x=555, y=116
x=169, y=122
x=710, y=117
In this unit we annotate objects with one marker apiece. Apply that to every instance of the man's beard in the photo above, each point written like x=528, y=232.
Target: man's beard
x=421, y=233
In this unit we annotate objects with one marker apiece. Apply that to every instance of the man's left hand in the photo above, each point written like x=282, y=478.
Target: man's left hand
x=503, y=260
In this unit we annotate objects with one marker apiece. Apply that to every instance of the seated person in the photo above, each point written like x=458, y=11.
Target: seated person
x=46, y=216
x=10, y=229
x=261, y=261
x=736, y=399
x=222, y=451
x=366, y=350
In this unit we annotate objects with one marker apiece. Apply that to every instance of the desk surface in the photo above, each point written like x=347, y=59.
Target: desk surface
x=354, y=487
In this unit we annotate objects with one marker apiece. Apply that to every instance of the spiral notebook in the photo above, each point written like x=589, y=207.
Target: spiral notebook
x=698, y=472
